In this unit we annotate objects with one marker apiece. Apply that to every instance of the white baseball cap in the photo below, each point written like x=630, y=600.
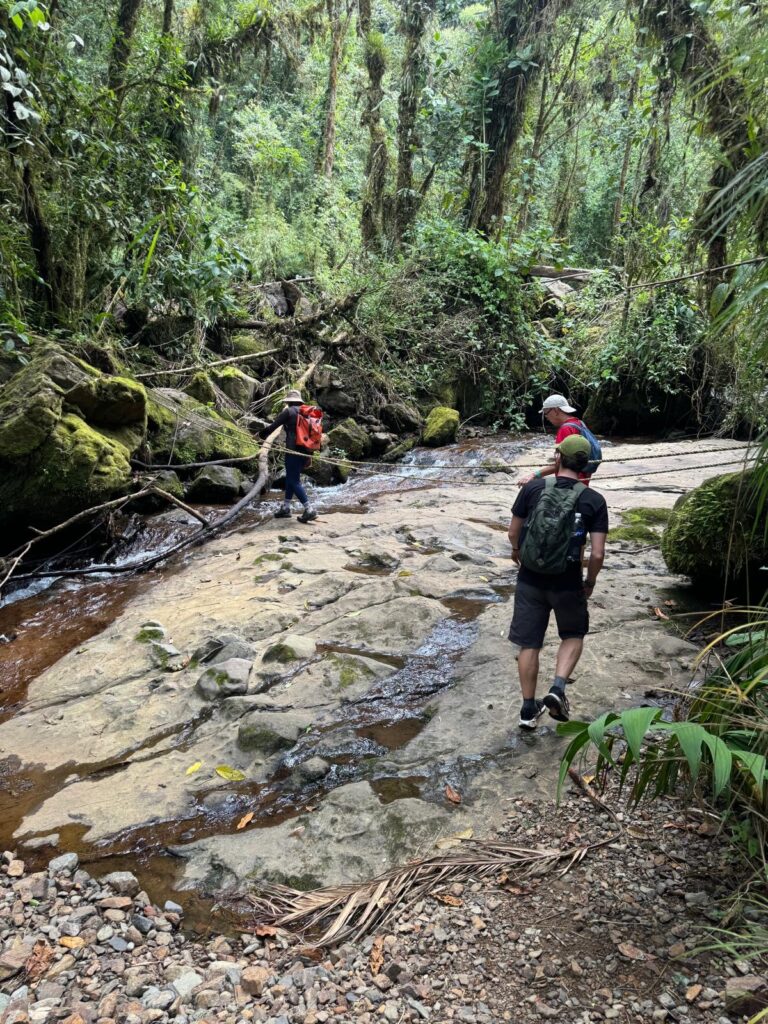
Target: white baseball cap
x=556, y=402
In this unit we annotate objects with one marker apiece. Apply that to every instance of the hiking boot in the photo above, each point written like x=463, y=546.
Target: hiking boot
x=283, y=513
x=528, y=719
x=557, y=704
x=307, y=515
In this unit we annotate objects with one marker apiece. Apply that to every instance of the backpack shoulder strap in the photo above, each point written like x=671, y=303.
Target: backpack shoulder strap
x=549, y=482
x=578, y=488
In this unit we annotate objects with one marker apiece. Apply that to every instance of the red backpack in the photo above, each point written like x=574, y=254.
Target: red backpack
x=309, y=428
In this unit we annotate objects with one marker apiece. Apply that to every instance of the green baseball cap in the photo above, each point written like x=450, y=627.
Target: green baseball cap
x=575, y=444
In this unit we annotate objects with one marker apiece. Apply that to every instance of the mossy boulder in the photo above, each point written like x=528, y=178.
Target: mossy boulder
x=441, y=427
x=180, y=430
x=349, y=437
x=75, y=467
x=400, y=450
x=111, y=401
x=235, y=384
x=401, y=417
x=215, y=484
x=715, y=534
x=201, y=389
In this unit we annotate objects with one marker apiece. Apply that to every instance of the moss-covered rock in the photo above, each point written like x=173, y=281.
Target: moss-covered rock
x=714, y=535
x=400, y=450
x=441, y=427
x=401, y=417
x=181, y=430
x=235, y=384
x=111, y=401
x=201, y=389
x=76, y=466
x=349, y=437
x=55, y=457
x=215, y=484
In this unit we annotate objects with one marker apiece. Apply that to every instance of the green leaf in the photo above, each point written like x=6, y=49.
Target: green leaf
x=635, y=724
x=230, y=774
x=755, y=763
x=719, y=295
x=722, y=761
x=597, y=730
x=690, y=736
x=150, y=254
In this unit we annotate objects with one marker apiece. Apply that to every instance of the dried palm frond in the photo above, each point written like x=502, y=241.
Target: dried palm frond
x=348, y=912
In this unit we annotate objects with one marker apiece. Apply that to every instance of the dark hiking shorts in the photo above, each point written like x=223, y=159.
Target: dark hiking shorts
x=531, y=615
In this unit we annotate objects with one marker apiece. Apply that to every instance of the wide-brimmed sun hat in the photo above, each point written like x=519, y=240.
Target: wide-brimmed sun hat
x=293, y=396
x=556, y=402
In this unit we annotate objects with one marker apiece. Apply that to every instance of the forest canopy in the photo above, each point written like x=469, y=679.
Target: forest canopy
x=159, y=155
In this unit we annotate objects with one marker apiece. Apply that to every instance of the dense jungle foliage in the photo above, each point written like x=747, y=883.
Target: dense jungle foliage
x=158, y=156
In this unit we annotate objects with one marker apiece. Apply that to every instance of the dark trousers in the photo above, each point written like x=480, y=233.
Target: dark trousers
x=293, y=485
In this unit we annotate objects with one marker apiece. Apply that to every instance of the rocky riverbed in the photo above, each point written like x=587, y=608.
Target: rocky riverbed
x=614, y=939
x=329, y=681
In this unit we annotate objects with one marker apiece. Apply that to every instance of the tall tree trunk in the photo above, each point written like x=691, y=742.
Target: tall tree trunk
x=371, y=226
x=167, y=18
x=691, y=53
x=40, y=239
x=416, y=15
x=127, y=17
x=502, y=121
x=538, y=139
x=629, y=143
x=339, y=27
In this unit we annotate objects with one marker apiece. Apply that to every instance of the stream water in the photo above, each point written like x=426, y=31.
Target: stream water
x=42, y=623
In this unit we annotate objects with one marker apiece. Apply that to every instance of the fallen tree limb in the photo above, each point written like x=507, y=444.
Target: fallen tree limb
x=206, y=366
x=179, y=504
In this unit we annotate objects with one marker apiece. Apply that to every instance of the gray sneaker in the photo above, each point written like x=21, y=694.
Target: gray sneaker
x=307, y=516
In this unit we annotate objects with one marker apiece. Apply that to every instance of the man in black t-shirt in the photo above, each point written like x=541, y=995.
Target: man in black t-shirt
x=565, y=593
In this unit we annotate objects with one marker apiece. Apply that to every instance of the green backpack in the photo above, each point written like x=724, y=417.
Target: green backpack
x=549, y=529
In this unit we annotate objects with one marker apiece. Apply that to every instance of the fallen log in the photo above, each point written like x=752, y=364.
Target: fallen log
x=339, y=306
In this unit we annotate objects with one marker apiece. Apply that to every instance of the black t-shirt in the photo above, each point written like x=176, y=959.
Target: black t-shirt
x=591, y=517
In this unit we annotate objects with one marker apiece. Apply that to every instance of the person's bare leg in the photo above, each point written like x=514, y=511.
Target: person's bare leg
x=528, y=668
x=568, y=656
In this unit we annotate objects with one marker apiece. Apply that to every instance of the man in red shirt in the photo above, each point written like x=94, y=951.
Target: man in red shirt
x=559, y=414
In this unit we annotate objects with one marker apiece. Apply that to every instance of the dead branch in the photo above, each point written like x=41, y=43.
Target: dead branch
x=179, y=504
x=207, y=366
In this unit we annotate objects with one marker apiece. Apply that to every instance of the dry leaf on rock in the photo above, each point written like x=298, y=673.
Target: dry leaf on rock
x=451, y=901
x=245, y=819
x=264, y=930
x=631, y=951
x=39, y=960
x=450, y=841
x=377, y=955
x=72, y=941
x=452, y=795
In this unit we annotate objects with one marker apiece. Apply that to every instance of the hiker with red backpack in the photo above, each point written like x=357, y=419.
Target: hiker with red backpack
x=558, y=412
x=303, y=436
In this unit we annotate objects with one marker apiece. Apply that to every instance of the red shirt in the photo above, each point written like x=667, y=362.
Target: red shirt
x=571, y=427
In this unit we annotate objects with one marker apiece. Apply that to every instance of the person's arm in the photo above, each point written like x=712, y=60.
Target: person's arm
x=596, y=559
x=548, y=470
x=514, y=531
x=280, y=421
